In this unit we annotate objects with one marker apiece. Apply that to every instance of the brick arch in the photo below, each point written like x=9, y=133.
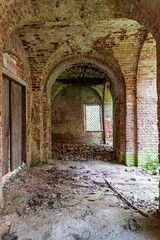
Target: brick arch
x=110, y=66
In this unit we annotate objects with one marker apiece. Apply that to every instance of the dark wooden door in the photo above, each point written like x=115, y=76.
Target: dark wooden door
x=16, y=125
x=5, y=126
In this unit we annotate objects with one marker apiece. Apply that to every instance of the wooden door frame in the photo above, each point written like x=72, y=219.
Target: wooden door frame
x=13, y=78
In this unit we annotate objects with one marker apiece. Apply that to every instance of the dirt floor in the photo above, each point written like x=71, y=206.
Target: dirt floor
x=70, y=200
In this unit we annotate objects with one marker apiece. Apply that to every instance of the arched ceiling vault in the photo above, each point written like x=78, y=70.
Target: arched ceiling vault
x=17, y=13
x=48, y=27
x=42, y=40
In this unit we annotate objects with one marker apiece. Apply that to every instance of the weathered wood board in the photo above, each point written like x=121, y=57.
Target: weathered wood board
x=5, y=126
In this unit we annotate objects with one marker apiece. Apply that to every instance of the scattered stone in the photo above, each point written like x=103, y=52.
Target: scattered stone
x=8, y=223
x=52, y=169
x=18, y=181
x=7, y=196
x=53, y=196
x=83, y=152
x=126, y=207
x=133, y=179
x=9, y=237
x=81, y=238
x=26, y=180
x=31, y=203
x=133, y=226
x=37, y=201
x=84, y=236
x=135, y=198
x=95, y=196
x=74, y=192
x=56, y=205
x=126, y=227
x=18, y=200
x=73, y=167
x=70, y=202
x=99, y=181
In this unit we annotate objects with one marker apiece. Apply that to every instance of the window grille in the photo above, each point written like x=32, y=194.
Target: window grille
x=93, y=119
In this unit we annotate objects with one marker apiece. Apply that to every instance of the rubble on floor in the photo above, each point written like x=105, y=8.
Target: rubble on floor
x=76, y=191
x=83, y=152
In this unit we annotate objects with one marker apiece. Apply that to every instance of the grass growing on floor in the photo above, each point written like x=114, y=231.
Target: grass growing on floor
x=152, y=165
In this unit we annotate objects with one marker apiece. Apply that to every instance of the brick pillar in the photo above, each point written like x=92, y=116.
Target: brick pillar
x=147, y=132
x=131, y=126
x=46, y=129
x=128, y=63
x=119, y=127
x=36, y=127
x=41, y=127
x=158, y=92
x=1, y=194
x=108, y=116
x=28, y=119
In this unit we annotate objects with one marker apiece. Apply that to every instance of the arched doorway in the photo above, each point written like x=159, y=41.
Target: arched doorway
x=113, y=120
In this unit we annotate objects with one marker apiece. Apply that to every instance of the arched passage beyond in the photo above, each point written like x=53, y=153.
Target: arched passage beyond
x=68, y=116
x=115, y=76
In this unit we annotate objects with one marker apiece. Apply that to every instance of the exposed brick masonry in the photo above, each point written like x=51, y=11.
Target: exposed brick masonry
x=50, y=37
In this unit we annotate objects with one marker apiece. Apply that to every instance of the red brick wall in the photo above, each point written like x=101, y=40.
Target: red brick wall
x=68, y=116
x=158, y=91
x=1, y=194
x=147, y=131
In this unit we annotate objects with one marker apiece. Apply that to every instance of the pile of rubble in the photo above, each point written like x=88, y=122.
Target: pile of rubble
x=83, y=152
